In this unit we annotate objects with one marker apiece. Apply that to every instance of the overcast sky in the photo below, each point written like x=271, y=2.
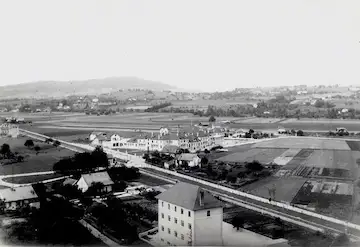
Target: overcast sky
x=188, y=43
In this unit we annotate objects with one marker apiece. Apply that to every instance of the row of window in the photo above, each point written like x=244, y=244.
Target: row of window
x=175, y=209
x=175, y=233
x=176, y=220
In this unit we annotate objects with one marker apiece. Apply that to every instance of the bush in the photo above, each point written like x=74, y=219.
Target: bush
x=29, y=143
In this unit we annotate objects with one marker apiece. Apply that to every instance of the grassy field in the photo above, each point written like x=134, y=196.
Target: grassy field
x=263, y=155
x=33, y=162
x=303, y=143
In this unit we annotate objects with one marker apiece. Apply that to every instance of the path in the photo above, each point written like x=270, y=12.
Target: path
x=9, y=184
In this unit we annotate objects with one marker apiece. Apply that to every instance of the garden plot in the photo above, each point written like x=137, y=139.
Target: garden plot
x=286, y=157
x=303, y=143
x=285, y=188
x=264, y=156
x=354, y=145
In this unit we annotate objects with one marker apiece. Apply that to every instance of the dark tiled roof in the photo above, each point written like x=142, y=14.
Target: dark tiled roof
x=188, y=196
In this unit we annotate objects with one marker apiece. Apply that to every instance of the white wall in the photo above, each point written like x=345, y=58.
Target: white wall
x=208, y=229
x=82, y=185
x=188, y=234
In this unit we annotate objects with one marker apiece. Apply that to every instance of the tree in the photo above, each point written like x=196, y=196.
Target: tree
x=212, y=119
x=254, y=166
x=237, y=222
x=204, y=161
x=49, y=140
x=300, y=133
x=20, y=158
x=56, y=143
x=96, y=188
x=5, y=150
x=29, y=143
x=37, y=149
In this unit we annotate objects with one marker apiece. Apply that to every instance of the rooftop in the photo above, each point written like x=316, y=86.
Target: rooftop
x=98, y=177
x=18, y=194
x=187, y=156
x=188, y=196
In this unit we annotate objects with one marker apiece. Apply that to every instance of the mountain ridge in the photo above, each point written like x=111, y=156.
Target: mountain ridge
x=53, y=88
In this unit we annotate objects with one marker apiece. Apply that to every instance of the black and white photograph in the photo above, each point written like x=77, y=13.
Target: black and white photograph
x=140, y=123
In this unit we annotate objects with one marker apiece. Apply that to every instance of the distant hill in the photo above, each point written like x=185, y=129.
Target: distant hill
x=45, y=89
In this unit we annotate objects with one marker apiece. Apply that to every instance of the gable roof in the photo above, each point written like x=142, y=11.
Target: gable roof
x=70, y=181
x=18, y=194
x=172, y=149
x=188, y=196
x=98, y=177
x=187, y=156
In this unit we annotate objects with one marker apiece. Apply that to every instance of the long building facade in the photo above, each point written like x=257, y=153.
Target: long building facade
x=193, y=139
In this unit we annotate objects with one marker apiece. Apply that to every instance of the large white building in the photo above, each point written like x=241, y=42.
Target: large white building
x=189, y=216
x=192, y=138
x=10, y=130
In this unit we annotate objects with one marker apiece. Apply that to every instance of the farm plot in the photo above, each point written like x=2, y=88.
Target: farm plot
x=354, y=145
x=328, y=198
x=285, y=188
x=260, y=120
x=303, y=143
x=286, y=157
x=263, y=155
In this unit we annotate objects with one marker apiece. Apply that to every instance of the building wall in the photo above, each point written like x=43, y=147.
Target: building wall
x=82, y=185
x=208, y=229
x=178, y=223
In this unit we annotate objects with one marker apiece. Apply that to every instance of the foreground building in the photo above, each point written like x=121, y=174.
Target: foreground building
x=189, y=216
x=18, y=197
x=86, y=180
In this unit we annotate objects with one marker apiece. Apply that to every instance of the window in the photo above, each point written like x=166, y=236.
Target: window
x=175, y=233
x=169, y=218
x=162, y=215
x=169, y=231
x=182, y=236
x=175, y=208
x=162, y=228
x=168, y=206
x=182, y=211
x=189, y=225
x=162, y=204
x=182, y=223
x=175, y=220
x=208, y=213
x=168, y=243
x=189, y=213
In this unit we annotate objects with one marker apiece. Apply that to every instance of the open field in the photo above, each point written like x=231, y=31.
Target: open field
x=286, y=188
x=259, y=120
x=264, y=156
x=302, y=143
x=153, y=121
x=43, y=161
x=31, y=179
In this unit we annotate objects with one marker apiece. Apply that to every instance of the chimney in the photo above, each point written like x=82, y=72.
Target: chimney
x=201, y=198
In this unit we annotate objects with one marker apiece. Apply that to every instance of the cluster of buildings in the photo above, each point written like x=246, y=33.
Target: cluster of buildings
x=193, y=138
x=9, y=130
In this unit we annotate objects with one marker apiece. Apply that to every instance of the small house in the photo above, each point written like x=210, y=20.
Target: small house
x=17, y=197
x=190, y=159
x=86, y=180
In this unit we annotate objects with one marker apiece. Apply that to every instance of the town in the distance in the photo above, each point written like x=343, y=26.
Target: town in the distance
x=153, y=165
